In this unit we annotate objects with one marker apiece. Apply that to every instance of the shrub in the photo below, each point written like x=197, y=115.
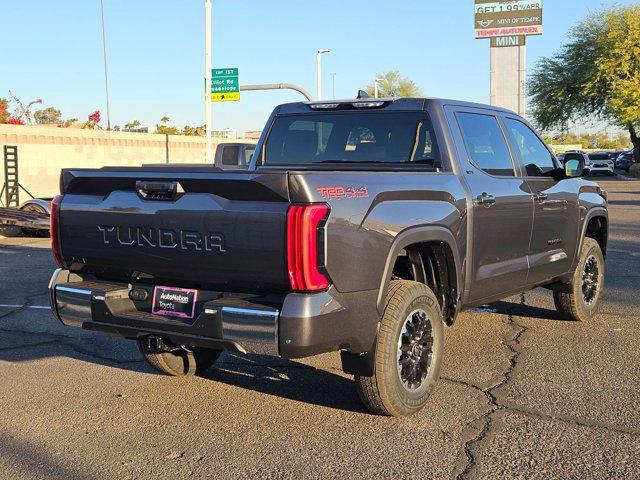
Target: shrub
x=634, y=171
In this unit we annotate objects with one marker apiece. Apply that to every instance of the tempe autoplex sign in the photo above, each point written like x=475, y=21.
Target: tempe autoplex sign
x=505, y=18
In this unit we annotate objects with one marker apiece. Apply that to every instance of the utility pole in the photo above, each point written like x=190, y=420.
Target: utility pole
x=106, y=72
x=207, y=83
x=319, y=71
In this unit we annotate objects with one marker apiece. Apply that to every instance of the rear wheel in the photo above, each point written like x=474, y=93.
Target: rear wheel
x=179, y=362
x=409, y=352
x=581, y=298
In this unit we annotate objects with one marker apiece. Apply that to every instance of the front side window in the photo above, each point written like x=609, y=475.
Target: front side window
x=352, y=137
x=537, y=160
x=248, y=152
x=486, y=144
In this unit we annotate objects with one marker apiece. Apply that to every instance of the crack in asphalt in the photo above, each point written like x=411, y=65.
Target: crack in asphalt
x=481, y=425
x=23, y=306
x=479, y=428
x=66, y=341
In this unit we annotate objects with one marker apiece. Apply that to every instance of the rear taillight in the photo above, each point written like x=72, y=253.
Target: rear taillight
x=305, y=247
x=54, y=229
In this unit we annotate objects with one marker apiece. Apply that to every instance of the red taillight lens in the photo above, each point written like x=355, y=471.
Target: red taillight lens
x=54, y=229
x=305, y=247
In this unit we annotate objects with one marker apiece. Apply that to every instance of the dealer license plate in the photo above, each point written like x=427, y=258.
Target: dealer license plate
x=175, y=302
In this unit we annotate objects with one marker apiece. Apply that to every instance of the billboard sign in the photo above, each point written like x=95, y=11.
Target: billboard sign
x=506, y=18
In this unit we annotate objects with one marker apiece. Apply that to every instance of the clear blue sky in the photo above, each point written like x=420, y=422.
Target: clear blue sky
x=53, y=50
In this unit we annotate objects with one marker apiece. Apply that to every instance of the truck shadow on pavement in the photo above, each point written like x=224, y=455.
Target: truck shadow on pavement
x=287, y=379
x=524, y=310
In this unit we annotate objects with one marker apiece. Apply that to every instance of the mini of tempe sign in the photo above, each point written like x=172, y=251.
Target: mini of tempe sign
x=225, y=86
x=508, y=18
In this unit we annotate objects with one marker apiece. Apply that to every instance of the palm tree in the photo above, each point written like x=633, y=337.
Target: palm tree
x=165, y=119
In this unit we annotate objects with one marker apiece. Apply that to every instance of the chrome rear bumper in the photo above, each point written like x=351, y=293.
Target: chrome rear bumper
x=225, y=323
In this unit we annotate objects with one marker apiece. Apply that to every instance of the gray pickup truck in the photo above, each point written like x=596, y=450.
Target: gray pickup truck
x=361, y=226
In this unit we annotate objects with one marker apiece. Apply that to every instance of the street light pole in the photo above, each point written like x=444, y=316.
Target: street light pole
x=207, y=82
x=333, y=85
x=375, y=87
x=106, y=73
x=319, y=71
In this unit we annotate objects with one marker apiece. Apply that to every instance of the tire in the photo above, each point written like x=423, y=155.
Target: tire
x=180, y=363
x=32, y=207
x=32, y=232
x=10, y=231
x=581, y=299
x=393, y=391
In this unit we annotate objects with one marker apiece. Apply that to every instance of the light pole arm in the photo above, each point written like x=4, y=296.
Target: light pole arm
x=278, y=86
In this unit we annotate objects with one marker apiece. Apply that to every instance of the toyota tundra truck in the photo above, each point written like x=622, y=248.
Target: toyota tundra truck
x=361, y=226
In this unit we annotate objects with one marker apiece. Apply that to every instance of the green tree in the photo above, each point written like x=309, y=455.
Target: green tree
x=193, y=131
x=68, y=122
x=131, y=125
x=165, y=119
x=392, y=84
x=48, y=115
x=596, y=74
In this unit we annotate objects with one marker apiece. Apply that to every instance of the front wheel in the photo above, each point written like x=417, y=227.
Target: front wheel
x=581, y=298
x=409, y=352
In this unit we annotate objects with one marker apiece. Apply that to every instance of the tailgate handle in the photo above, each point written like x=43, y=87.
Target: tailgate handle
x=159, y=190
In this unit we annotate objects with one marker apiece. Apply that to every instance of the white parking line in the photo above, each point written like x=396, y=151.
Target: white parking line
x=40, y=307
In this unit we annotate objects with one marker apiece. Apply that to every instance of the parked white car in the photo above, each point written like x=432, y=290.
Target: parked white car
x=600, y=162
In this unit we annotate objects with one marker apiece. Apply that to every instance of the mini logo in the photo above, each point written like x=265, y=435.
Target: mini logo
x=485, y=23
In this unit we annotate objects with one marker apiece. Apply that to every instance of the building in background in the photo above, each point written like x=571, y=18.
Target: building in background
x=225, y=133
x=253, y=134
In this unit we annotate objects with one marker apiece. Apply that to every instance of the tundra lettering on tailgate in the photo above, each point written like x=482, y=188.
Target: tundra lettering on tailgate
x=162, y=238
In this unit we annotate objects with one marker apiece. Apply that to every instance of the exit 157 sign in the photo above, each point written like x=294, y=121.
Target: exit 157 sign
x=225, y=86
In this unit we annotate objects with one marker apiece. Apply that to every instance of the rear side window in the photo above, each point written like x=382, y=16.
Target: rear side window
x=537, y=160
x=352, y=137
x=486, y=144
x=230, y=155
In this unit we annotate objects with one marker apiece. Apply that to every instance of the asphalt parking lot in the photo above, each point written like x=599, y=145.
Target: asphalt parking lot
x=523, y=394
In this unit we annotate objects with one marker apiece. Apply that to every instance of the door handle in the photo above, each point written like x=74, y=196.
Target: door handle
x=486, y=199
x=540, y=197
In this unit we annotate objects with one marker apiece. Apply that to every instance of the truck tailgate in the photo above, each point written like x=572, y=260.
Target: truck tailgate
x=216, y=230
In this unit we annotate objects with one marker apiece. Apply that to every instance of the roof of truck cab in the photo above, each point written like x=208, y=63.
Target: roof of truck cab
x=395, y=103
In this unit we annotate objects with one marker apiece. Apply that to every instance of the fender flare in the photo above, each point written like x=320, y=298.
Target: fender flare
x=41, y=202
x=417, y=235
x=593, y=212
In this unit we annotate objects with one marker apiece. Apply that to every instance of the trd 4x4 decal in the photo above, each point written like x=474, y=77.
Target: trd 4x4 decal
x=343, y=192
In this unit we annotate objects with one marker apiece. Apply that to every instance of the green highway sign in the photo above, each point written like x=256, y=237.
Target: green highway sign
x=225, y=85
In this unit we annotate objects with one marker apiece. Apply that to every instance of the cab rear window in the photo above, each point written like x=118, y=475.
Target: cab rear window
x=352, y=137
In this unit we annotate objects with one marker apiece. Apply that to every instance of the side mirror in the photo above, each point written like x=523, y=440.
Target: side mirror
x=573, y=166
